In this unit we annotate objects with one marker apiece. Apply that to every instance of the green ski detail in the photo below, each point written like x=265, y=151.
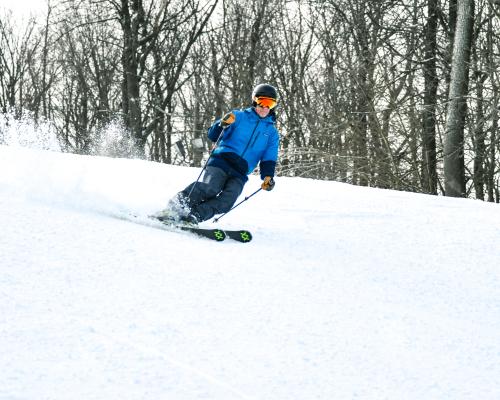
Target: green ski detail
x=245, y=236
x=219, y=235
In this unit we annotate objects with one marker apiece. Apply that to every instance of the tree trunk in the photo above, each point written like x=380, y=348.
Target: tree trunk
x=361, y=87
x=131, y=104
x=493, y=117
x=479, y=136
x=454, y=168
x=429, y=173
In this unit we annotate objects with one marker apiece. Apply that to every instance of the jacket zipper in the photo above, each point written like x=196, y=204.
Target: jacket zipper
x=251, y=137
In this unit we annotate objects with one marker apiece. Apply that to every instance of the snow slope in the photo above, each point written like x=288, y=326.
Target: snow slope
x=344, y=293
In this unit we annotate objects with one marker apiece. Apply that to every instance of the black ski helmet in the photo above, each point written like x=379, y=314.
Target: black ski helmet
x=265, y=90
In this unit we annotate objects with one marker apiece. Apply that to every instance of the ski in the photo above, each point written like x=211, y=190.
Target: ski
x=215, y=234
x=242, y=236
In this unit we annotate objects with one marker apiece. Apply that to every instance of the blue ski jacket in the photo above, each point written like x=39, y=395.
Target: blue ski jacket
x=248, y=141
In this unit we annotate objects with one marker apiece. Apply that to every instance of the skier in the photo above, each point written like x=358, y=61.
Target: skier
x=242, y=139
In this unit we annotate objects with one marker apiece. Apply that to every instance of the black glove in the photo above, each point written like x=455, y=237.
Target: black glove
x=268, y=183
x=227, y=120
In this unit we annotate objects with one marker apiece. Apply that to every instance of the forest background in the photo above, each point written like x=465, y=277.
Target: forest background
x=400, y=94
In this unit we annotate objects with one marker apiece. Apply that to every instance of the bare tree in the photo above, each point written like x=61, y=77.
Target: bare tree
x=171, y=53
x=291, y=62
x=13, y=63
x=454, y=168
x=429, y=162
x=491, y=65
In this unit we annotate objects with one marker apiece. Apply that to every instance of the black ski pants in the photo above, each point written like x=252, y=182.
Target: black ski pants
x=214, y=193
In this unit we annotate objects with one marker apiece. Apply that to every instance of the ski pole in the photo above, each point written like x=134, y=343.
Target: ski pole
x=242, y=201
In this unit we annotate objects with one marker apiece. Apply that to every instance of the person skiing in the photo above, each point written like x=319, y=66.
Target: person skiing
x=242, y=139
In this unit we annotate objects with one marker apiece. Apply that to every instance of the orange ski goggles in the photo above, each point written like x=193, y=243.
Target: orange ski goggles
x=266, y=102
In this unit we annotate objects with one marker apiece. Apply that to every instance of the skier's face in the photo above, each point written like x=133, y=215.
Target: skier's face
x=262, y=111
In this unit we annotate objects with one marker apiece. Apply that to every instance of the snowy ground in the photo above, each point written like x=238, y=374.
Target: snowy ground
x=344, y=293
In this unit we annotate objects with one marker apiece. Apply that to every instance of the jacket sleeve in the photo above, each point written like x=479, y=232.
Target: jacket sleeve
x=267, y=164
x=214, y=131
